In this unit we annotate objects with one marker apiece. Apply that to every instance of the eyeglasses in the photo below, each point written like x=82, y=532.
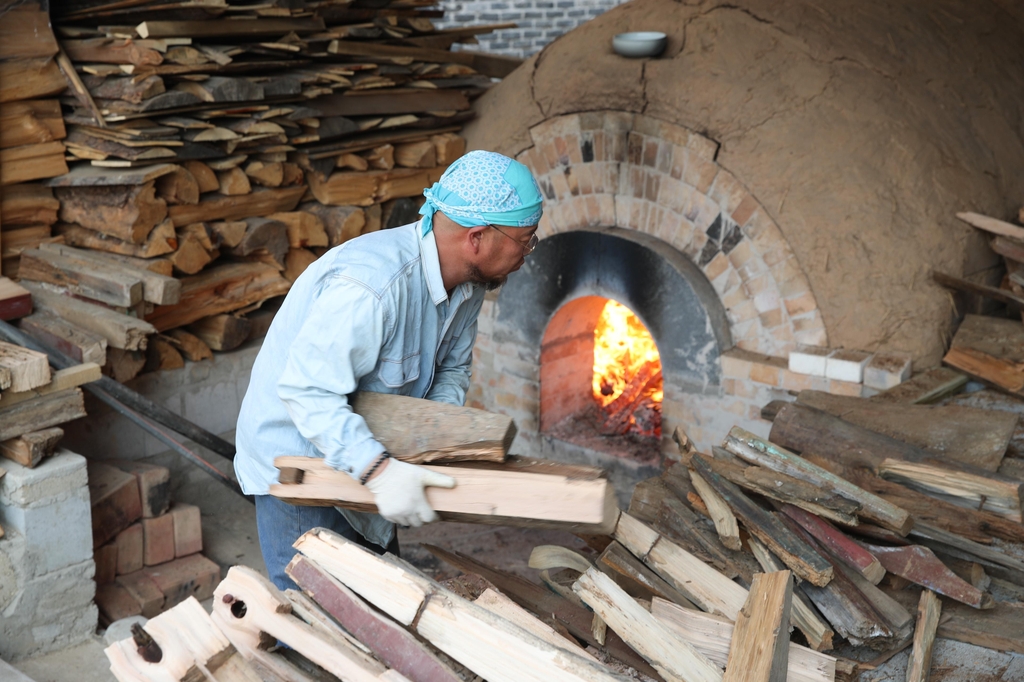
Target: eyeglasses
x=527, y=247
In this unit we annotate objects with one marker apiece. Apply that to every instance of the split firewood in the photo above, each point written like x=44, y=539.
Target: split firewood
x=258, y=203
x=157, y=287
x=85, y=278
x=233, y=182
x=22, y=368
x=719, y=511
x=634, y=577
x=161, y=240
x=750, y=448
x=265, y=174
x=195, y=250
x=960, y=488
x=838, y=544
x=391, y=643
x=179, y=187
x=190, y=345
x=41, y=413
x=228, y=234
x=296, y=262
x=435, y=432
x=128, y=213
x=61, y=380
x=920, y=662
x=449, y=622
x=341, y=223
x=124, y=365
x=989, y=350
x=221, y=332
x=546, y=557
x=304, y=229
x=920, y=565
x=925, y=388
x=574, y=502
x=263, y=235
x=120, y=331
x=30, y=448
x=204, y=176
x=670, y=655
x=59, y=334
x=803, y=560
x=760, y=643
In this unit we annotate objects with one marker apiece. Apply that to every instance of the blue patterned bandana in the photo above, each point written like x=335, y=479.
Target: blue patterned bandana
x=484, y=188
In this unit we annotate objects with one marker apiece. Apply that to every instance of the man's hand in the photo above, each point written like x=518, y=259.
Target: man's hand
x=398, y=491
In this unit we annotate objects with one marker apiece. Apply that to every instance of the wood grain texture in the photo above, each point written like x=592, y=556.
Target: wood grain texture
x=120, y=331
x=971, y=491
x=760, y=641
x=928, y=612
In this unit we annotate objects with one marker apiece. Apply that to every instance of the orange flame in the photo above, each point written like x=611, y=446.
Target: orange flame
x=622, y=347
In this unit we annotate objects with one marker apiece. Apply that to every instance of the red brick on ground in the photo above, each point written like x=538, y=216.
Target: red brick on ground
x=157, y=540
x=115, y=603
x=129, y=549
x=145, y=591
x=114, y=497
x=192, y=576
x=106, y=563
x=154, y=485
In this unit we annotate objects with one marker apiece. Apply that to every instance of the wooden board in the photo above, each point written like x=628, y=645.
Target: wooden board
x=219, y=289
x=431, y=431
x=253, y=28
x=520, y=496
x=992, y=225
x=26, y=369
x=156, y=288
x=962, y=489
x=30, y=448
x=61, y=380
x=760, y=642
x=87, y=279
x=991, y=350
x=972, y=436
x=92, y=176
x=162, y=240
x=120, y=331
x=261, y=202
x=22, y=79
x=59, y=334
x=39, y=413
x=30, y=122
x=26, y=205
x=25, y=32
x=32, y=162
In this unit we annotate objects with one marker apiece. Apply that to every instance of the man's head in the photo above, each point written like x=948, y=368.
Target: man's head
x=484, y=212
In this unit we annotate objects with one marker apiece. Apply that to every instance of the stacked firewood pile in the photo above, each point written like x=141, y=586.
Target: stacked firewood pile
x=217, y=150
x=890, y=527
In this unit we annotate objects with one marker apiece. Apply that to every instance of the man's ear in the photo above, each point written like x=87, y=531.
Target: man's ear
x=475, y=236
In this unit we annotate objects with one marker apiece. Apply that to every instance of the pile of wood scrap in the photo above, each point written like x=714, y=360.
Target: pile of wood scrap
x=147, y=550
x=215, y=152
x=31, y=128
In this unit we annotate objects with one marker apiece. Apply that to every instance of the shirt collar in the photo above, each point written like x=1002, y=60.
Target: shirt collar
x=432, y=267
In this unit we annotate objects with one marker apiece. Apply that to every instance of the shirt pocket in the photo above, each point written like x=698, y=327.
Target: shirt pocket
x=398, y=373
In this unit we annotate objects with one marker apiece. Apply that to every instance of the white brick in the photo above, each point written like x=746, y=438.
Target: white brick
x=809, y=360
x=53, y=478
x=847, y=365
x=887, y=370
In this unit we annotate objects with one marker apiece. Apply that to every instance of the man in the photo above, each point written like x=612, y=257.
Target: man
x=392, y=312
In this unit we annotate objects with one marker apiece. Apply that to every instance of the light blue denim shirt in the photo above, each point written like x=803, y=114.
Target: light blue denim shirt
x=369, y=315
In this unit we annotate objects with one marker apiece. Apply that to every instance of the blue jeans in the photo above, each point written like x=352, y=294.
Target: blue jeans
x=280, y=524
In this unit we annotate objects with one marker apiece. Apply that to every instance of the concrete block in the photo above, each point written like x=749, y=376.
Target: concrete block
x=22, y=638
x=886, y=370
x=56, y=530
x=847, y=365
x=53, y=478
x=809, y=360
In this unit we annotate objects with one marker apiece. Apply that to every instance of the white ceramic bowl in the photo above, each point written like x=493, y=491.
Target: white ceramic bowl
x=640, y=44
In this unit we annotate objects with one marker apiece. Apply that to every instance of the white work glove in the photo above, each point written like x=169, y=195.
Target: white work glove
x=398, y=492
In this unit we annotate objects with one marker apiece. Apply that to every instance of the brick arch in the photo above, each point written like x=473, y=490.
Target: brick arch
x=636, y=172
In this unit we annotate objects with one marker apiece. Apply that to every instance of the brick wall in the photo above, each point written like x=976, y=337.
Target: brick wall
x=539, y=21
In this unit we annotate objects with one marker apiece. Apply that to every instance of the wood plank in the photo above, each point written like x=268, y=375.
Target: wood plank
x=252, y=28
x=760, y=642
x=15, y=300
x=32, y=162
x=219, y=289
x=928, y=611
x=547, y=605
x=712, y=636
x=59, y=334
x=960, y=488
x=30, y=122
x=721, y=514
x=259, y=203
x=502, y=606
x=924, y=388
x=26, y=368
x=61, y=380
x=432, y=431
x=30, y=448
x=82, y=278
x=22, y=79
x=488, y=645
x=392, y=644
x=111, y=51
x=672, y=656
x=156, y=288
x=838, y=544
x=750, y=448
x=804, y=617
x=162, y=240
x=93, y=176
x=972, y=436
x=760, y=523
x=638, y=580
x=994, y=293
x=992, y=225
x=24, y=205
x=920, y=565
x=25, y=32
x=120, y=331
x=370, y=187
x=700, y=583
x=509, y=496
x=990, y=350
x=222, y=332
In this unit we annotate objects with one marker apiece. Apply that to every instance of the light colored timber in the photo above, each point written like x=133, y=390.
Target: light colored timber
x=29, y=449
x=266, y=610
x=819, y=635
x=924, y=388
x=30, y=122
x=128, y=212
x=928, y=611
x=430, y=431
x=750, y=448
x=760, y=641
x=120, y=331
x=490, y=646
x=718, y=509
x=220, y=289
x=32, y=162
x=544, y=557
x=992, y=225
x=161, y=240
x=700, y=583
x=971, y=491
x=673, y=657
x=85, y=278
x=502, y=606
x=41, y=413
x=28, y=369
x=508, y=495
x=156, y=288
x=634, y=577
x=61, y=380
x=712, y=636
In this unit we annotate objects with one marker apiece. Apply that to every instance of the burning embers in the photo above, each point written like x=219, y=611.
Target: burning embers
x=627, y=383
